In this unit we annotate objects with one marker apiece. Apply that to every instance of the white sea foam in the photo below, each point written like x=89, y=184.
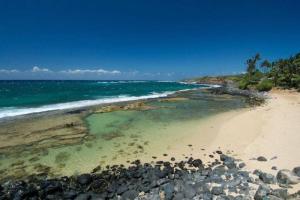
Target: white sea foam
x=12, y=111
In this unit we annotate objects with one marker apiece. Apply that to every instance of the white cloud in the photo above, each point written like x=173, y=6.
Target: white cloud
x=8, y=71
x=38, y=69
x=85, y=71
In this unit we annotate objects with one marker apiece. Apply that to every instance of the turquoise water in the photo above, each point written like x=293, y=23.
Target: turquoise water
x=167, y=127
x=25, y=97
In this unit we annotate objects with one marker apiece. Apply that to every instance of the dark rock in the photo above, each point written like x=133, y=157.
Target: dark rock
x=84, y=179
x=51, y=187
x=267, y=178
x=129, y=195
x=281, y=193
x=262, y=159
x=242, y=165
x=262, y=193
x=273, y=158
x=168, y=190
x=178, y=196
x=197, y=163
x=219, y=170
x=219, y=152
x=217, y=190
x=274, y=168
x=257, y=172
x=189, y=191
x=69, y=194
x=228, y=161
x=83, y=197
x=285, y=176
x=296, y=170
x=121, y=189
x=98, y=185
x=206, y=196
x=162, y=181
x=272, y=197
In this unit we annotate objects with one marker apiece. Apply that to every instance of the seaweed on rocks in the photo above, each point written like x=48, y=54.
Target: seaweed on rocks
x=187, y=179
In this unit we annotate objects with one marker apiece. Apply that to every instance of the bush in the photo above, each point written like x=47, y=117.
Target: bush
x=264, y=85
x=243, y=84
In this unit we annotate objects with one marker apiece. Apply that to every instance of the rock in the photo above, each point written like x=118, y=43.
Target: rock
x=69, y=194
x=178, y=196
x=257, y=172
x=219, y=170
x=84, y=179
x=228, y=161
x=274, y=168
x=197, y=163
x=285, y=176
x=217, y=190
x=281, y=193
x=162, y=181
x=296, y=170
x=219, y=152
x=242, y=165
x=83, y=197
x=168, y=190
x=272, y=197
x=267, y=178
x=51, y=187
x=189, y=192
x=121, y=189
x=129, y=195
x=262, y=159
x=261, y=193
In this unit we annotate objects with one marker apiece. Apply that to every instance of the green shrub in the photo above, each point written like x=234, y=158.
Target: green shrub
x=264, y=85
x=243, y=84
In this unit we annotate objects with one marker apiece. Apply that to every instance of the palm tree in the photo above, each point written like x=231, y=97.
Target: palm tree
x=251, y=64
x=266, y=65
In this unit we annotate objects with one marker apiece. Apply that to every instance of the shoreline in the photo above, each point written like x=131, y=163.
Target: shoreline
x=90, y=104
x=244, y=134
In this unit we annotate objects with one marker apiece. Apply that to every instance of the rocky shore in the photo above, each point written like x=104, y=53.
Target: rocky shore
x=225, y=178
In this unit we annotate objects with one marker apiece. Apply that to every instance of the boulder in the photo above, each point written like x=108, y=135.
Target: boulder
x=217, y=190
x=296, y=170
x=197, y=163
x=262, y=159
x=267, y=178
x=285, y=176
x=188, y=191
x=281, y=193
x=84, y=179
x=262, y=193
x=130, y=194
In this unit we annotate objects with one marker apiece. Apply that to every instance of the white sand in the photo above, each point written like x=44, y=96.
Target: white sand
x=272, y=130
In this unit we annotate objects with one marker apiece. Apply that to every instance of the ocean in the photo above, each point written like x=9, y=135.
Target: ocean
x=66, y=144
x=27, y=97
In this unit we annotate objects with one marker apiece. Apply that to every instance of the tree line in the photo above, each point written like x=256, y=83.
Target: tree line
x=263, y=74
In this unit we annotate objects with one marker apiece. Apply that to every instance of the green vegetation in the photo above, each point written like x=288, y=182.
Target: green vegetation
x=264, y=85
x=262, y=75
x=283, y=73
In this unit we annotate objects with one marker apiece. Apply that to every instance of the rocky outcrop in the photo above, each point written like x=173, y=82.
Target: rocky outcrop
x=190, y=179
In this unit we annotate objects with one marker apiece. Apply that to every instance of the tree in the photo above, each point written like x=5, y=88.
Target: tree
x=251, y=65
x=265, y=65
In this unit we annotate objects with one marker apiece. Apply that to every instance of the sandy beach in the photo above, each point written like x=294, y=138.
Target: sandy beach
x=271, y=130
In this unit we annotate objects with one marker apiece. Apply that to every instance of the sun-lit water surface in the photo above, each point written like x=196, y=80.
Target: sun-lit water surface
x=122, y=136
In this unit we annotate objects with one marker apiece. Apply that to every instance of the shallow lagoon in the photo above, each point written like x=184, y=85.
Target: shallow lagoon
x=122, y=136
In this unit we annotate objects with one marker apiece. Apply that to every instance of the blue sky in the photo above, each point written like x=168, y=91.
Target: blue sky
x=139, y=39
